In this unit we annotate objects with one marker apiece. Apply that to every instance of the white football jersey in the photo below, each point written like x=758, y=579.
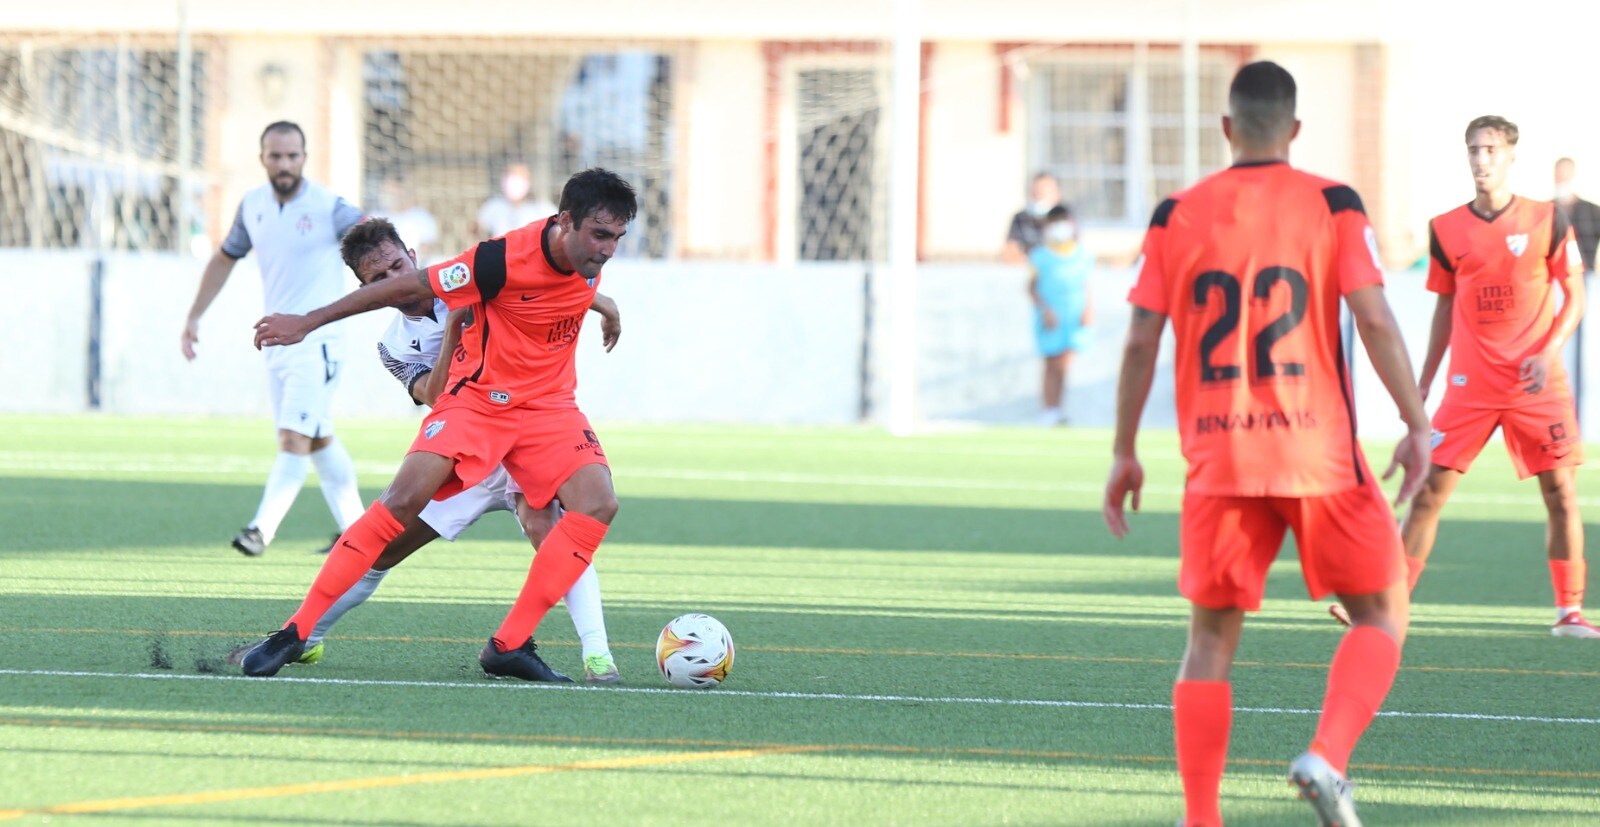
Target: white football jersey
x=296, y=245
x=411, y=345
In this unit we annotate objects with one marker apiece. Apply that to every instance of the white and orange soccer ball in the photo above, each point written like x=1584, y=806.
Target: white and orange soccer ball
x=694, y=652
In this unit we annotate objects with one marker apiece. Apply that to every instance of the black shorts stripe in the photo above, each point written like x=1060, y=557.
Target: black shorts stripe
x=330, y=368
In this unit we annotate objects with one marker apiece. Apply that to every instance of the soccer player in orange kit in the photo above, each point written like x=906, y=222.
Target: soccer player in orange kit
x=1496, y=264
x=1250, y=265
x=509, y=401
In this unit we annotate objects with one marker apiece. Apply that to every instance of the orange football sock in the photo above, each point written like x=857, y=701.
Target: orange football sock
x=1202, y=714
x=352, y=555
x=1363, y=670
x=1414, y=567
x=1567, y=578
x=560, y=561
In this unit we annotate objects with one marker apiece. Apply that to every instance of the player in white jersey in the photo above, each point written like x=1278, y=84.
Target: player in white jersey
x=294, y=225
x=416, y=349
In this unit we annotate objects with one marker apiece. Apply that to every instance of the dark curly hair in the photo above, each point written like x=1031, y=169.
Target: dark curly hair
x=598, y=190
x=359, y=241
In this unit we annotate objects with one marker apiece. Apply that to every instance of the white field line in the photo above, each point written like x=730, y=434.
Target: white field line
x=16, y=461
x=737, y=693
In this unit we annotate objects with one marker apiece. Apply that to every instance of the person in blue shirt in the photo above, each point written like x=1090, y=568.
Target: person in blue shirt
x=1061, y=318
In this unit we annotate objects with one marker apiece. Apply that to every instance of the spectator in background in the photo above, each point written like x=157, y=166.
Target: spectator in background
x=1027, y=226
x=1584, y=215
x=514, y=207
x=1061, y=319
x=411, y=221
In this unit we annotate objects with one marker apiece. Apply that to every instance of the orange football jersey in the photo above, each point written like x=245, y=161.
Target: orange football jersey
x=1250, y=264
x=1501, y=269
x=519, y=350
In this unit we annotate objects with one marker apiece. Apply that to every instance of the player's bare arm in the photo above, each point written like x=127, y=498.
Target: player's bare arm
x=287, y=329
x=1133, y=390
x=1444, y=309
x=610, y=320
x=211, y=281
x=427, y=387
x=1536, y=368
x=1380, y=334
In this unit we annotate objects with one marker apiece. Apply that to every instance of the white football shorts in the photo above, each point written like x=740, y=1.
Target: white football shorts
x=302, y=378
x=452, y=516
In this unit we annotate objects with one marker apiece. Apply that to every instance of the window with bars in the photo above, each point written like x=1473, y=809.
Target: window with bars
x=1109, y=124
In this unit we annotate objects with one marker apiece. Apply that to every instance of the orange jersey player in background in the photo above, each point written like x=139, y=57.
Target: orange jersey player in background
x=1497, y=263
x=1250, y=265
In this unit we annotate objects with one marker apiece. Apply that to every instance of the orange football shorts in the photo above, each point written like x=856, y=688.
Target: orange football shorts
x=539, y=448
x=1540, y=437
x=1349, y=544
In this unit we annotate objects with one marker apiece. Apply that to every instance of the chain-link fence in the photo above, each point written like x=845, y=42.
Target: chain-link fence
x=460, y=138
x=101, y=142
x=482, y=134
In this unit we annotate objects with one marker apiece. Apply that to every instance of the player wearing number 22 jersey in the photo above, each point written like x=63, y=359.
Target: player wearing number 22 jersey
x=1250, y=266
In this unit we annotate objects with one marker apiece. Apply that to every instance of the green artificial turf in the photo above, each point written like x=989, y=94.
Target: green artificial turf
x=931, y=630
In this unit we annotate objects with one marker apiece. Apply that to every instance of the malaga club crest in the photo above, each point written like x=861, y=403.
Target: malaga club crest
x=1517, y=243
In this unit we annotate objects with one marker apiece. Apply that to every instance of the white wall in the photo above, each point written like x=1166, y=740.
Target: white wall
x=146, y=373
x=976, y=175
x=1011, y=20
x=701, y=343
x=724, y=151
x=1325, y=77
x=717, y=342
x=47, y=338
x=728, y=343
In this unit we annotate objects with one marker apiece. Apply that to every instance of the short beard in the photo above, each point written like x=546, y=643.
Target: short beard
x=294, y=184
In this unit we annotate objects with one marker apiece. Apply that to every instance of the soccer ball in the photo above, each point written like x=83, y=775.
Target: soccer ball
x=694, y=652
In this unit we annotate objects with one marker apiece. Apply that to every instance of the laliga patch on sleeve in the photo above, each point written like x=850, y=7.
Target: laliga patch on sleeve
x=1372, y=247
x=454, y=277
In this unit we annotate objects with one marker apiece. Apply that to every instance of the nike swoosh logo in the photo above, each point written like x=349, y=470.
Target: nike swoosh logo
x=528, y=298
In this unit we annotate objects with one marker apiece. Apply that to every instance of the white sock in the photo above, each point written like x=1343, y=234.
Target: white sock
x=1563, y=611
x=583, y=603
x=357, y=595
x=338, y=474
x=283, y=485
